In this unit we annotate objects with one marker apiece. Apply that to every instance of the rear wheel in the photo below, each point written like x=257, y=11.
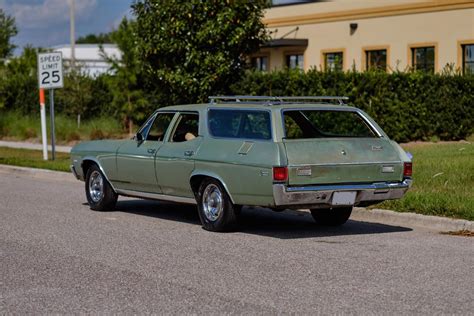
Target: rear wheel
x=331, y=217
x=216, y=211
x=99, y=193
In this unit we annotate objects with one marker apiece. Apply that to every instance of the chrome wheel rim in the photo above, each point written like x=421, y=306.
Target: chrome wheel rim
x=96, y=186
x=212, y=202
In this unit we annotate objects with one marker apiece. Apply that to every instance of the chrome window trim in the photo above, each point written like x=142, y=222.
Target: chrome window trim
x=269, y=111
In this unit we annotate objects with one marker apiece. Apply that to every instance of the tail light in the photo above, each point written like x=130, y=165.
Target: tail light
x=280, y=174
x=407, y=169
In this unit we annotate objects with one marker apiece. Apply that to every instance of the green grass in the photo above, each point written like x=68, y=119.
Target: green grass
x=28, y=127
x=33, y=159
x=443, y=177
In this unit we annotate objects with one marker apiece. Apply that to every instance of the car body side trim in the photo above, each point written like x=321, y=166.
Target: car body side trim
x=156, y=196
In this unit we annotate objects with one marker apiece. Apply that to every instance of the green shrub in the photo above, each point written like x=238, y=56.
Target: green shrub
x=18, y=126
x=407, y=105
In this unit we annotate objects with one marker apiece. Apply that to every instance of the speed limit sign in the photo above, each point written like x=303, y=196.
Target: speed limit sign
x=50, y=70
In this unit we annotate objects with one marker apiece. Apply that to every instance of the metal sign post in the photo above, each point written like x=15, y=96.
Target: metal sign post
x=51, y=115
x=50, y=76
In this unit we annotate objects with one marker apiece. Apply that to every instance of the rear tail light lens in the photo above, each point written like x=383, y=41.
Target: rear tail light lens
x=407, y=169
x=280, y=173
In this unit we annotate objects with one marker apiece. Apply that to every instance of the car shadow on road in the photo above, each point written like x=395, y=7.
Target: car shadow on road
x=259, y=221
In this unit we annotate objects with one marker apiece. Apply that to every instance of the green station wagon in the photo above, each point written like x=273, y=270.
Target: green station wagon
x=275, y=152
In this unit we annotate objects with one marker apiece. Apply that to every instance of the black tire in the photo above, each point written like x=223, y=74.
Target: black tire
x=215, y=209
x=331, y=217
x=99, y=193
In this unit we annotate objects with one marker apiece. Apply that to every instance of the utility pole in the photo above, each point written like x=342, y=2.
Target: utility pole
x=72, y=8
x=73, y=39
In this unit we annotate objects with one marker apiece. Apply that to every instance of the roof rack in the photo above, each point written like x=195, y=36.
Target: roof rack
x=271, y=100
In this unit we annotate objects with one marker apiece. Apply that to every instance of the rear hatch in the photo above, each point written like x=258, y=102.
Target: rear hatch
x=329, y=161
x=337, y=144
x=342, y=160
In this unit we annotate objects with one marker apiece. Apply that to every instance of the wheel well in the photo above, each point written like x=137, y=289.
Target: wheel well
x=196, y=181
x=86, y=164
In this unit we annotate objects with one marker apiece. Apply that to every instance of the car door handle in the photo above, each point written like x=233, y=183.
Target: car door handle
x=188, y=153
x=151, y=151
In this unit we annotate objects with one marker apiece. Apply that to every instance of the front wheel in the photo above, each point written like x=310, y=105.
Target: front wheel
x=99, y=193
x=216, y=211
x=331, y=217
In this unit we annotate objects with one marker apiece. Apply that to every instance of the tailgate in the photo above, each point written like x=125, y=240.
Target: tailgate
x=342, y=160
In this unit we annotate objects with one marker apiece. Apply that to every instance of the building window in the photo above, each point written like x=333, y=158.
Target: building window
x=468, y=59
x=295, y=61
x=333, y=61
x=423, y=58
x=376, y=59
x=260, y=63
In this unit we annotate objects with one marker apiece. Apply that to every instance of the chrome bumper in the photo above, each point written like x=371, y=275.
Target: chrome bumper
x=321, y=196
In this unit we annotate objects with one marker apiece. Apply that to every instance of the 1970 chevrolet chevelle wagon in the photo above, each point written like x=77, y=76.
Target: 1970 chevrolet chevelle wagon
x=275, y=152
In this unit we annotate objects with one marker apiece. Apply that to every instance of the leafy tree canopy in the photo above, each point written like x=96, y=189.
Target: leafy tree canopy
x=7, y=31
x=102, y=38
x=191, y=49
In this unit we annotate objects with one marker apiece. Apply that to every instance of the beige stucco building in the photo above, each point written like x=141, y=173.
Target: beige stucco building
x=387, y=34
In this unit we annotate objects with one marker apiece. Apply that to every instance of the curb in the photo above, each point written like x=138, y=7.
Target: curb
x=37, y=173
x=441, y=224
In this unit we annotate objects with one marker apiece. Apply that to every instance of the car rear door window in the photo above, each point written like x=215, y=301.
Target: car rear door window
x=325, y=124
x=246, y=124
x=187, y=127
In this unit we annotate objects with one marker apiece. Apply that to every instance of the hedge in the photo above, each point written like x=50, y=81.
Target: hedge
x=407, y=105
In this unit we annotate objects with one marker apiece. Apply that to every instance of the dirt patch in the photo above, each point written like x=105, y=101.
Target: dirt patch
x=462, y=233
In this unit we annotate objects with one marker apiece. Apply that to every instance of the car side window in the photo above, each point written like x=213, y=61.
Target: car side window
x=160, y=125
x=245, y=124
x=187, y=128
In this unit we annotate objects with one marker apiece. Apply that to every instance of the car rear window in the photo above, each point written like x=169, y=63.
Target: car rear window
x=324, y=124
x=247, y=124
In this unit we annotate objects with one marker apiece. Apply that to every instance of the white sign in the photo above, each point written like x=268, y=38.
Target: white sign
x=50, y=70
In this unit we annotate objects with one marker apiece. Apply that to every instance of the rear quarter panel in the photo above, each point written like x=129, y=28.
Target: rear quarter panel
x=247, y=176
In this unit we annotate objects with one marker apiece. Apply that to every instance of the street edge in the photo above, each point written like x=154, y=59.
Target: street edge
x=37, y=173
x=437, y=223
x=442, y=224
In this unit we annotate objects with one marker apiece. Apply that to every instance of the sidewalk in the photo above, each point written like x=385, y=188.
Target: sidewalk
x=25, y=145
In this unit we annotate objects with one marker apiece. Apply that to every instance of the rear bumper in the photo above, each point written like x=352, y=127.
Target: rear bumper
x=321, y=195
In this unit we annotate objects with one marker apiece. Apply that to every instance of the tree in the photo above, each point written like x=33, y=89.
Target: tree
x=191, y=49
x=7, y=31
x=129, y=101
x=100, y=38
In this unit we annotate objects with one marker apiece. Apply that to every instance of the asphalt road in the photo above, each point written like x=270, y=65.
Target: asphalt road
x=57, y=256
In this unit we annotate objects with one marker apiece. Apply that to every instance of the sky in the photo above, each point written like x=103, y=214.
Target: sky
x=45, y=23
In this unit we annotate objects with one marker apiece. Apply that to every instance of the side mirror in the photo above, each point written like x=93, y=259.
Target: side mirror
x=139, y=137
